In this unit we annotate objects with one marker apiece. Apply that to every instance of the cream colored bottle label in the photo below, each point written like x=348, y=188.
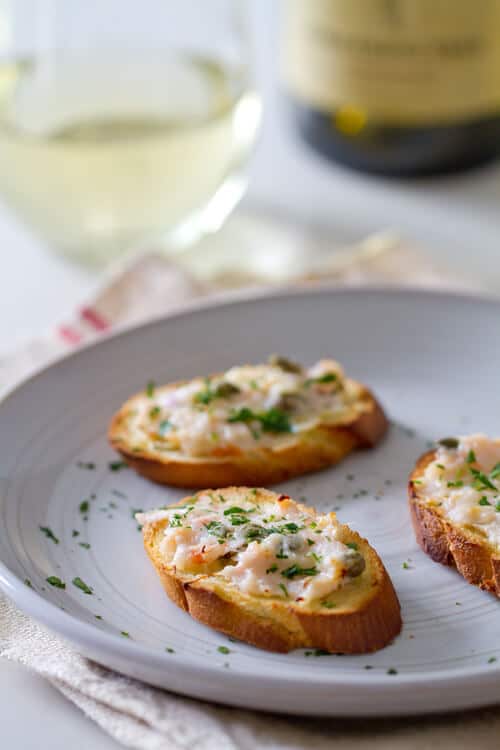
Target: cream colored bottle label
x=394, y=61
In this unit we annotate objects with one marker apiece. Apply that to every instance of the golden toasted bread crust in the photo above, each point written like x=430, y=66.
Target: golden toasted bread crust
x=317, y=449
x=450, y=544
x=369, y=625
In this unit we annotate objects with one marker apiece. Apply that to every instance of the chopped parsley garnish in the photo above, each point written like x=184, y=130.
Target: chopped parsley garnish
x=272, y=420
x=89, y=465
x=82, y=585
x=450, y=442
x=288, y=528
x=117, y=465
x=495, y=473
x=316, y=557
x=297, y=570
x=275, y=420
x=310, y=542
x=328, y=605
x=217, y=529
x=481, y=481
x=441, y=466
x=257, y=533
x=49, y=534
x=75, y=533
x=484, y=501
x=208, y=394
x=169, y=650
x=124, y=634
x=405, y=566
x=328, y=377
x=239, y=520
x=85, y=545
x=272, y=569
x=352, y=545
x=471, y=457
x=492, y=659
x=154, y=412
x=150, y=389
x=223, y=650
x=175, y=521
x=457, y=483
x=205, y=396
x=237, y=515
x=28, y=583
x=84, y=506
x=284, y=589
x=392, y=671
x=260, y=532
x=497, y=507
x=56, y=582
x=98, y=617
x=164, y=427
x=317, y=652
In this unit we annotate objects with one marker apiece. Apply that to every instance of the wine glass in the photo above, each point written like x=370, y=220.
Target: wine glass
x=124, y=124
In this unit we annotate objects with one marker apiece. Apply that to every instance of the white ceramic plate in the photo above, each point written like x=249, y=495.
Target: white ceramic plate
x=434, y=362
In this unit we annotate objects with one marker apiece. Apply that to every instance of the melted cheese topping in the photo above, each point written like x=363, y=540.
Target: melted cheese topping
x=243, y=409
x=277, y=550
x=464, y=483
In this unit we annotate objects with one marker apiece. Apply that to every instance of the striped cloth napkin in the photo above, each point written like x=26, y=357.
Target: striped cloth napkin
x=147, y=718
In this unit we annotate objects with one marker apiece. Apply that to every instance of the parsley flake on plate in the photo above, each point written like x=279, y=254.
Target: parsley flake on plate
x=49, y=534
x=82, y=585
x=56, y=582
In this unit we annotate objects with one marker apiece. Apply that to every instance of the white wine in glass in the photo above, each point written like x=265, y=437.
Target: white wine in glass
x=107, y=151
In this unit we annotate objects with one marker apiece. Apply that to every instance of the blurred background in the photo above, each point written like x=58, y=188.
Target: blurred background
x=129, y=128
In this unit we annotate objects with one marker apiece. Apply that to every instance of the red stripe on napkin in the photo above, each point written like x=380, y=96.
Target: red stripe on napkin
x=95, y=319
x=69, y=335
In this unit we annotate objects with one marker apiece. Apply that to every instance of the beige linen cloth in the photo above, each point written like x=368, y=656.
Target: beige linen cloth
x=146, y=718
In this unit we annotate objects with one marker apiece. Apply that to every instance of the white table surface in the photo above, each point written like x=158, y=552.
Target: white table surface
x=456, y=220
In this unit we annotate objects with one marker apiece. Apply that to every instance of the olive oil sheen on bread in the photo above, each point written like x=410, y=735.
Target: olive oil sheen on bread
x=395, y=87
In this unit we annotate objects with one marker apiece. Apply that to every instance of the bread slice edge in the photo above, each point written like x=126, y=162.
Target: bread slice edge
x=448, y=543
x=280, y=626
x=315, y=449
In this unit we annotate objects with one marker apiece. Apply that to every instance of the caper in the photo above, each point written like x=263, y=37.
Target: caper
x=449, y=442
x=290, y=403
x=284, y=364
x=294, y=543
x=354, y=562
x=226, y=390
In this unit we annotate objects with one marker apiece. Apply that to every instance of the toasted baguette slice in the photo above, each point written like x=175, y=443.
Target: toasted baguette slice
x=255, y=425
x=455, y=509
x=243, y=562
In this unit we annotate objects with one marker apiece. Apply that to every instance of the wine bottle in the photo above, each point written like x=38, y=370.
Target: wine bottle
x=395, y=87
